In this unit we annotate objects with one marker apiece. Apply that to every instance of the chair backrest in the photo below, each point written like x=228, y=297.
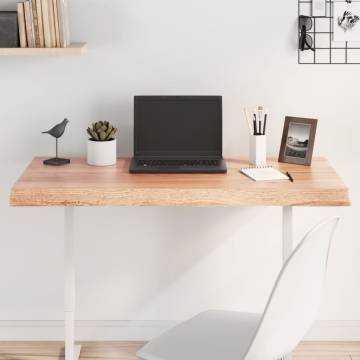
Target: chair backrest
x=296, y=296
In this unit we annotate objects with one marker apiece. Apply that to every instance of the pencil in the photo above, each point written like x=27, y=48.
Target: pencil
x=247, y=120
x=289, y=176
x=264, y=128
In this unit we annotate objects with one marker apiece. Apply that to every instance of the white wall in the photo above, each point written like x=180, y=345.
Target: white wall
x=168, y=264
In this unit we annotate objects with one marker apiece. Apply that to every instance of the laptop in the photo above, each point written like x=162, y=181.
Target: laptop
x=178, y=134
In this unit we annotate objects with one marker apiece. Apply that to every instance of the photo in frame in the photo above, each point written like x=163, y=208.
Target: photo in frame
x=298, y=140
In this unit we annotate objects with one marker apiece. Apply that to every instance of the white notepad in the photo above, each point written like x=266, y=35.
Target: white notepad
x=263, y=173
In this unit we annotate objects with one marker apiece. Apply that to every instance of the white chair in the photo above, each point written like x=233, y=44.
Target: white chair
x=289, y=313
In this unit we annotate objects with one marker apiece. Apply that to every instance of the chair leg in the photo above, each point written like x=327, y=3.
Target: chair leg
x=287, y=232
x=286, y=357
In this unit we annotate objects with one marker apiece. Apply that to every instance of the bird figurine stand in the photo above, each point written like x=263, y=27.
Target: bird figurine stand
x=57, y=132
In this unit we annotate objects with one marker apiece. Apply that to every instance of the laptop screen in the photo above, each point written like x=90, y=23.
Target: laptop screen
x=178, y=126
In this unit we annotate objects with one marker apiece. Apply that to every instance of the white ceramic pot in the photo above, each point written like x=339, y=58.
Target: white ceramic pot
x=101, y=153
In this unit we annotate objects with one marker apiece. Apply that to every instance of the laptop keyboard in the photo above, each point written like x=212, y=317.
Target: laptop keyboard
x=169, y=162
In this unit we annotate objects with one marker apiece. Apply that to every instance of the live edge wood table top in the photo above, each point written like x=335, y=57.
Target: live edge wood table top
x=79, y=184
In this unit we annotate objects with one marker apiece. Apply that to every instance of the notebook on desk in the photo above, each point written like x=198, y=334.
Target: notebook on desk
x=263, y=173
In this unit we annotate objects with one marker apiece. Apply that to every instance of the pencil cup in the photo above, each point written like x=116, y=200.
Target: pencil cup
x=257, y=150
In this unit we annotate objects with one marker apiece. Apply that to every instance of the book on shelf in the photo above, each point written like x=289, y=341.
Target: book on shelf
x=52, y=22
x=22, y=26
x=56, y=18
x=30, y=34
x=40, y=23
x=64, y=28
x=46, y=23
x=43, y=23
x=35, y=22
x=9, y=29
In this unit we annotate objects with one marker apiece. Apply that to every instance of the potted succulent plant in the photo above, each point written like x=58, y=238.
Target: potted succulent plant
x=101, y=147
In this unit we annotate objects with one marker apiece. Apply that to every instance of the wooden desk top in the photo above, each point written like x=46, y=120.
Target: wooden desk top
x=78, y=184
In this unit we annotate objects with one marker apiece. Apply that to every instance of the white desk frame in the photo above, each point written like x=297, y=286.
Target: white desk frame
x=72, y=351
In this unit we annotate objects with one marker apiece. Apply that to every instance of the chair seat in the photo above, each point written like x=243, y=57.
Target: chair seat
x=211, y=335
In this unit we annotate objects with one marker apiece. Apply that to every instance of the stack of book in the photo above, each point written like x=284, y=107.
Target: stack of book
x=43, y=24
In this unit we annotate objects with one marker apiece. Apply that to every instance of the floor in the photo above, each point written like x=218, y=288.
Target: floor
x=127, y=350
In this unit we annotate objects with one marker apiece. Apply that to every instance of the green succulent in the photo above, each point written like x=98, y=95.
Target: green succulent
x=102, y=131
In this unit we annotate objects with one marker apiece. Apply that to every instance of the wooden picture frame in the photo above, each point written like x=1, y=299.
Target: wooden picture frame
x=297, y=144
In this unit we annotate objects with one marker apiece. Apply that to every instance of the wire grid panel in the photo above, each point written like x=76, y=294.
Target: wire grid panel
x=327, y=51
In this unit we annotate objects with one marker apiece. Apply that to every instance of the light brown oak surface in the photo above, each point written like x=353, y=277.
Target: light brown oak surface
x=127, y=351
x=79, y=184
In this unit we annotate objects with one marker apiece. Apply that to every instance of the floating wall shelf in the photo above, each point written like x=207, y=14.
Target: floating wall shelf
x=75, y=49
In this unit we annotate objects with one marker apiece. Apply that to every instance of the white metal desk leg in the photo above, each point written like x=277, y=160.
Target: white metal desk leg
x=287, y=241
x=72, y=352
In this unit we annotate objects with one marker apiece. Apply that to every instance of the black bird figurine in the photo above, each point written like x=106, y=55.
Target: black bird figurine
x=57, y=132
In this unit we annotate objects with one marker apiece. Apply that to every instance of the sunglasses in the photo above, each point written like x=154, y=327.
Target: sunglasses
x=306, y=40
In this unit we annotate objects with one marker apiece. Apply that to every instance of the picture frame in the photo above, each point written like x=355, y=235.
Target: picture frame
x=298, y=139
